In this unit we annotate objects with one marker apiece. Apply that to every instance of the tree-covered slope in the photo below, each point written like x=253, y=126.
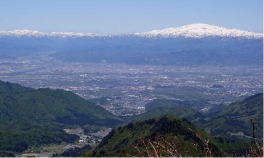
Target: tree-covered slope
x=163, y=136
x=236, y=117
x=7, y=88
x=50, y=106
x=33, y=117
x=139, y=138
x=160, y=107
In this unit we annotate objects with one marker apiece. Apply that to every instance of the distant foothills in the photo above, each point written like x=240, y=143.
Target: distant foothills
x=195, y=44
x=38, y=117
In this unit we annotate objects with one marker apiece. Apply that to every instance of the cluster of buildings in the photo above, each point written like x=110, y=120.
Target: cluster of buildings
x=128, y=88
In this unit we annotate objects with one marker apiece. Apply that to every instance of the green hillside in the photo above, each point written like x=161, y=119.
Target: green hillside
x=8, y=88
x=160, y=107
x=236, y=118
x=30, y=117
x=34, y=117
x=228, y=121
x=132, y=139
x=163, y=136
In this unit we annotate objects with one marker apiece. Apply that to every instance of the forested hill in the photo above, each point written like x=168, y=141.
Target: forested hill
x=48, y=106
x=26, y=112
x=235, y=119
x=230, y=131
x=160, y=107
x=163, y=136
x=231, y=120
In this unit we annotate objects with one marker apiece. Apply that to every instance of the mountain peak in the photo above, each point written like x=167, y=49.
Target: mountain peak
x=200, y=30
x=197, y=30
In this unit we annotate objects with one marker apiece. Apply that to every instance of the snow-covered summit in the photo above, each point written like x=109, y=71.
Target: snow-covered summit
x=193, y=31
x=35, y=33
x=200, y=30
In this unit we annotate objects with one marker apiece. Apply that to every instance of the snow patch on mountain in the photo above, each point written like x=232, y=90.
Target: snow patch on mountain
x=189, y=31
x=35, y=33
x=199, y=31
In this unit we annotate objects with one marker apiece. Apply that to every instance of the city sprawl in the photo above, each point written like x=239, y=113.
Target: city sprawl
x=125, y=89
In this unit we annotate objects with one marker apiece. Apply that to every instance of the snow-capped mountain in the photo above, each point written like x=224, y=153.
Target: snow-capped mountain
x=35, y=33
x=200, y=31
x=196, y=44
x=190, y=31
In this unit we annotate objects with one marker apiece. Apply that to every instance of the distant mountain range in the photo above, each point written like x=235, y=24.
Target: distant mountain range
x=196, y=44
x=198, y=30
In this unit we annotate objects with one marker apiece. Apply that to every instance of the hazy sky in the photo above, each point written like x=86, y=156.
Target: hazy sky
x=127, y=16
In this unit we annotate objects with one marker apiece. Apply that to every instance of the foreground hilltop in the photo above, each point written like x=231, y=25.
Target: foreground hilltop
x=163, y=136
x=230, y=131
x=233, y=120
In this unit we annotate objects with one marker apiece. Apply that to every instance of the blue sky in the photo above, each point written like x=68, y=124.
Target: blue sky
x=127, y=16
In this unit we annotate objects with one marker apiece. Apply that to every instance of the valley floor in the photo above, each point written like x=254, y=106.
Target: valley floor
x=85, y=139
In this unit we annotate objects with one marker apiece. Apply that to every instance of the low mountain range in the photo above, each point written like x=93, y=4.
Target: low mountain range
x=33, y=117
